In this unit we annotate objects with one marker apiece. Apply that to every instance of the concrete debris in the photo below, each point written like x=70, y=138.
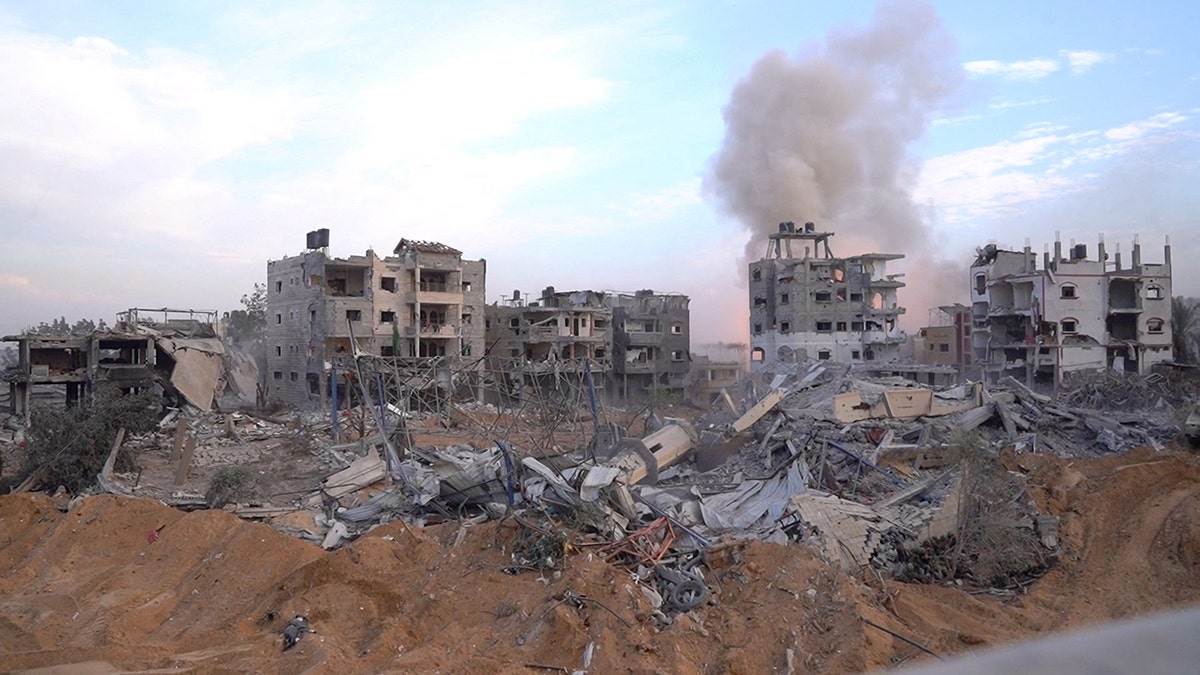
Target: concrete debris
x=867, y=471
x=361, y=473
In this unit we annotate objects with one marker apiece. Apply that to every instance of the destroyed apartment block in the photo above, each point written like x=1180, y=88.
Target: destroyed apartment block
x=651, y=344
x=176, y=351
x=807, y=304
x=559, y=340
x=633, y=346
x=423, y=301
x=1043, y=323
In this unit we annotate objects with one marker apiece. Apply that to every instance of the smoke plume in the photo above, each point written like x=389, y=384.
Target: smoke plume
x=823, y=137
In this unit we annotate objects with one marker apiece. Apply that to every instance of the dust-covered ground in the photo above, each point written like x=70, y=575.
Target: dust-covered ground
x=90, y=590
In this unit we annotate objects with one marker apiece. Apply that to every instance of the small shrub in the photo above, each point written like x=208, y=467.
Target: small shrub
x=229, y=484
x=71, y=445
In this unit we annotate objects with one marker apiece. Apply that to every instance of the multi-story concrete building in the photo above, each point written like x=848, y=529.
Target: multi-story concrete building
x=651, y=343
x=636, y=345
x=559, y=330
x=806, y=303
x=425, y=300
x=1039, y=324
x=537, y=342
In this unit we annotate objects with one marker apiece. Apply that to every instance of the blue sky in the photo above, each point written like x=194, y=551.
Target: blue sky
x=159, y=153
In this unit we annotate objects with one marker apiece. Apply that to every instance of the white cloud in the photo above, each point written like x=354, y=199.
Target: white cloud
x=661, y=205
x=1141, y=128
x=97, y=132
x=470, y=98
x=1083, y=61
x=1032, y=69
x=1040, y=162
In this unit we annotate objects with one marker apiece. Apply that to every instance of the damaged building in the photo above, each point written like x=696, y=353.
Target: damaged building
x=635, y=345
x=651, y=341
x=423, y=301
x=708, y=379
x=175, y=351
x=806, y=303
x=1039, y=324
x=946, y=340
x=551, y=342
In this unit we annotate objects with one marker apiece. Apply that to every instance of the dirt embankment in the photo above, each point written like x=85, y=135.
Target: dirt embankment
x=87, y=589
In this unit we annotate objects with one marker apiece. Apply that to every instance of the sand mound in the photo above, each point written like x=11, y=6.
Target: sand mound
x=89, y=591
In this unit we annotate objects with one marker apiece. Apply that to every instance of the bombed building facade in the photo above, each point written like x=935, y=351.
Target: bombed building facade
x=806, y=303
x=1041, y=323
x=424, y=300
x=651, y=343
x=560, y=340
x=633, y=345
x=177, y=352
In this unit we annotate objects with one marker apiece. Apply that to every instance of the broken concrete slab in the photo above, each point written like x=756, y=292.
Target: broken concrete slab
x=362, y=472
x=756, y=411
x=903, y=404
x=199, y=368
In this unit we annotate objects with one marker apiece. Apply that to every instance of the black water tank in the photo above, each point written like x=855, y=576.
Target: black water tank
x=323, y=237
x=311, y=240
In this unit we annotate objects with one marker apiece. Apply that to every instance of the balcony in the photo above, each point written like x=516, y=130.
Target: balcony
x=436, y=294
x=638, y=367
x=643, y=339
x=432, y=331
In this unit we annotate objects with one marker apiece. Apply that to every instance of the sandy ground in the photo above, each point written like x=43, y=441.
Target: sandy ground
x=87, y=591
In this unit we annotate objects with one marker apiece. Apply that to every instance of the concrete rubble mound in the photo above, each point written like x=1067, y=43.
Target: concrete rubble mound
x=868, y=472
x=878, y=477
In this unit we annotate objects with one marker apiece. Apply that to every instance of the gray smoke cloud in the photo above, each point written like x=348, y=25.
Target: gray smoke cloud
x=823, y=136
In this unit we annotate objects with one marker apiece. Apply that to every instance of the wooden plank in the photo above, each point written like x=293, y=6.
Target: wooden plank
x=849, y=407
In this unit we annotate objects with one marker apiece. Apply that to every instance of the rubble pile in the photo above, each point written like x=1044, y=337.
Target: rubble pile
x=868, y=472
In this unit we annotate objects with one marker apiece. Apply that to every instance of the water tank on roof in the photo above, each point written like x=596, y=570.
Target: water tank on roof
x=1079, y=252
x=323, y=237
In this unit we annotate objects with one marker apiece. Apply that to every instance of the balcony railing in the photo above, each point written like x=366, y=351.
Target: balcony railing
x=432, y=331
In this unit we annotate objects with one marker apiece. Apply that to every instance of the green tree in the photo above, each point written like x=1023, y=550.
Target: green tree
x=251, y=321
x=1183, y=329
x=70, y=446
x=61, y=326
